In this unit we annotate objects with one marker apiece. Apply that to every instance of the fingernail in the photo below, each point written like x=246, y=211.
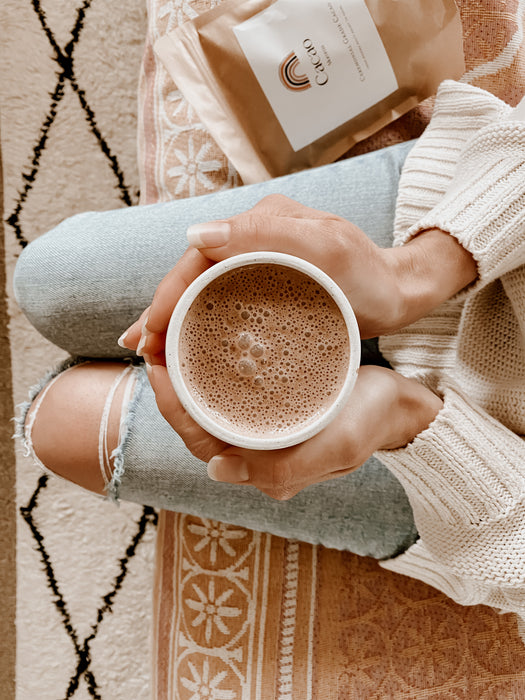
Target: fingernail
x=231, y=468
x=122, y=340
x=142, y=342
x=143, y=337
x=210, y=235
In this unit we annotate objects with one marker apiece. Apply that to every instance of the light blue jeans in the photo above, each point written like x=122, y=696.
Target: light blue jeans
x=83, y=283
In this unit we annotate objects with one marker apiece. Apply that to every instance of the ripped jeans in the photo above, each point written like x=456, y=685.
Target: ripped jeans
x=84, y=282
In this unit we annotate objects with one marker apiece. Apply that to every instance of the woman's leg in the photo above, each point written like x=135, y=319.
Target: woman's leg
x=83, y=283
x=366, y=512
x=100, y=271
x=73, y=424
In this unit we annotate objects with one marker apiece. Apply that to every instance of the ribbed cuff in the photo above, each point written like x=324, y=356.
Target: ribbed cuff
x=464, y=477
x=418, y=563
x=484, y=207
x=460, y=111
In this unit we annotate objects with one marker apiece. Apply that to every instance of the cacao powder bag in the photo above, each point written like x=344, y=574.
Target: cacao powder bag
x=284, y=85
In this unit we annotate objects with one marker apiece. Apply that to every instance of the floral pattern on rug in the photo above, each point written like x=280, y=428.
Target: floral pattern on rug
x=310, y=623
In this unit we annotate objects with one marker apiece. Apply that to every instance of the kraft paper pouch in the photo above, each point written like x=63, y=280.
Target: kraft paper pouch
x=283, y=85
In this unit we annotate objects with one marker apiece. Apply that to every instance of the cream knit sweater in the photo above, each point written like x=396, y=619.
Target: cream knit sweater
x=465, y=474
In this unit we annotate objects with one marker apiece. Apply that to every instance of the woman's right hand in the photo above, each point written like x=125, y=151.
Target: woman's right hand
x=366, y=273
x=387, y=287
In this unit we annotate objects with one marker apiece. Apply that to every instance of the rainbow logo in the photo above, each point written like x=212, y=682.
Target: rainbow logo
x=289, y=73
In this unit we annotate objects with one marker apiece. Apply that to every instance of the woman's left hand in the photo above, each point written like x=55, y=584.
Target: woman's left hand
x=384, y=411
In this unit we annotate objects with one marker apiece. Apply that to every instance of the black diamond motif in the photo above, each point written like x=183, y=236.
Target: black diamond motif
x=64, y=58
x=82, y=650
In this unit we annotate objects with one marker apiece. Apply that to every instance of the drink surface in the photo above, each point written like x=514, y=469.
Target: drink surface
x=264, y=350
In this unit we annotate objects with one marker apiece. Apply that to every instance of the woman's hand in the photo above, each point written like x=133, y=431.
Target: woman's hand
x=366, y=273
x=387, y=287
x=384, y=411
x=147, y=336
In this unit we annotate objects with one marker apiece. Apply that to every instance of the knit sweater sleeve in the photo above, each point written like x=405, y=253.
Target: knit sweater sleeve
x=460, y=111
x=464, y=474
x=465, y=480
x=484, y=203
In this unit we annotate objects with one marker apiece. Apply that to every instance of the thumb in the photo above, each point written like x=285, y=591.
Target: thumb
x=270, y=472
x=283, y=473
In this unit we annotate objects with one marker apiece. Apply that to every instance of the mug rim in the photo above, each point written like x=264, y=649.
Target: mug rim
x=203, y=418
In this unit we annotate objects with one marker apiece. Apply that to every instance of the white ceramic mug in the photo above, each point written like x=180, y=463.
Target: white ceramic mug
x=206, y=419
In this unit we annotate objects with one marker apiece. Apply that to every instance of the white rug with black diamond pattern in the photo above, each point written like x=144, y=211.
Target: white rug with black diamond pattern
x=68, y=85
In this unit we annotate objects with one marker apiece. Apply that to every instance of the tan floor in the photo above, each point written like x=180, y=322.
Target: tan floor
x=7, y=493
x=83, y=567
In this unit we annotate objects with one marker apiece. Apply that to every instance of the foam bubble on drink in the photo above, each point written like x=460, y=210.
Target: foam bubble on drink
x=264, y=349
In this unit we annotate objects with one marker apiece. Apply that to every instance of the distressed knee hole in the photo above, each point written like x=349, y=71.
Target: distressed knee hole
x=73, y=425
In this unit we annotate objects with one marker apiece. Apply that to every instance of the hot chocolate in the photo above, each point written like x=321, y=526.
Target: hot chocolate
x=264, y=350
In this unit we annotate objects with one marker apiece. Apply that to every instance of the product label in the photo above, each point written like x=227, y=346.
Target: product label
x=319, y=63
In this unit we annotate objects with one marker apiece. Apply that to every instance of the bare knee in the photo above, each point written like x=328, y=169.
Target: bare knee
x=66, y=429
